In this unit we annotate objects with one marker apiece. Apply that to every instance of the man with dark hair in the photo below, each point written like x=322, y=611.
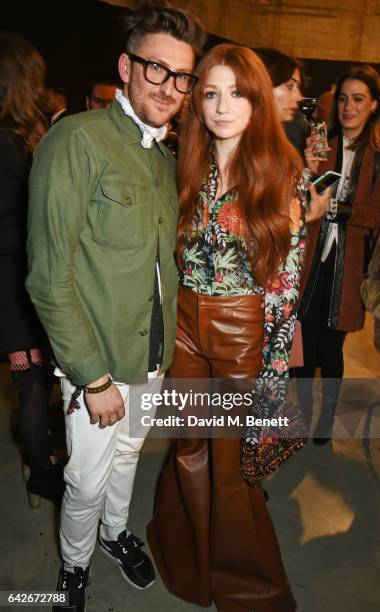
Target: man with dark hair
x=55, y=105
x=153, y=18
x=101, y=91
x=102, y=233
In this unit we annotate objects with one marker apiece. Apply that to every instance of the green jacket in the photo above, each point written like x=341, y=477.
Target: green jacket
x=101, y=209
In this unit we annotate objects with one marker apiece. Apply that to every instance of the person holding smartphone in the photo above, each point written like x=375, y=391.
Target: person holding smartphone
x=340, y=244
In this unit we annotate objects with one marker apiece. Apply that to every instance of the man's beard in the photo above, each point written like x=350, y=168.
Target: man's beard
x=147, y=114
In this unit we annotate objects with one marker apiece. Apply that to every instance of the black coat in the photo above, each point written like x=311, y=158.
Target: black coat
x=19, y=326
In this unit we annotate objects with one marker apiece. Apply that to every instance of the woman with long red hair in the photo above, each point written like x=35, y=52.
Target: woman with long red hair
x=240, y=245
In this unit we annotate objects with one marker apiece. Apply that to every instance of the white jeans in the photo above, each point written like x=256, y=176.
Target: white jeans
x=99, y=476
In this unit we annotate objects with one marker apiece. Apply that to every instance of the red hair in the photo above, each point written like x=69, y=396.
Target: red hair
x=264, y=166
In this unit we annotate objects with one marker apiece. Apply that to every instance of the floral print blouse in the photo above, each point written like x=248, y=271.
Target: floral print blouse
x=215, y=262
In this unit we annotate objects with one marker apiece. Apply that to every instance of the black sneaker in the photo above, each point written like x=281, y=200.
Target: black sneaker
x=75, y=584
x=135, y=565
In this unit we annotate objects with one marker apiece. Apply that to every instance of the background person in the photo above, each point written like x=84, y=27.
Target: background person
x=322, y=111
x=340, y=245
x=55, y=105
x=288, y=79
x=370, y=291
x=101, y=91
x=22, y=125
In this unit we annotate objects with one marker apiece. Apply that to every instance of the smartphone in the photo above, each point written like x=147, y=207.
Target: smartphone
x=328, y=179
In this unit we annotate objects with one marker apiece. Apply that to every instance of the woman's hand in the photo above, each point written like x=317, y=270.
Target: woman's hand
x=318, y=203
x=312, y=158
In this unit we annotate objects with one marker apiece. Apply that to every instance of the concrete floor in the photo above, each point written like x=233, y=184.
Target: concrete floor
x=324, y=503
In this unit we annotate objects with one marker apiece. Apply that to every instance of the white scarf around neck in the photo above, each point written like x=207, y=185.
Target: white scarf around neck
x=149, y=133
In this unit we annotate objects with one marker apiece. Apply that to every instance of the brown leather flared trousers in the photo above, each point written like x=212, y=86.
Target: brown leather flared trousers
x=211, y=535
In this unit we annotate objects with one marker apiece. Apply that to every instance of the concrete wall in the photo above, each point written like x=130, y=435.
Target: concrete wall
x=324, y=29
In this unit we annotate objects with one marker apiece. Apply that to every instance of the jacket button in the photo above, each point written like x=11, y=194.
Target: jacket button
x=161, y=219
x=143, y=332
x=151, y=298
x=128, y=200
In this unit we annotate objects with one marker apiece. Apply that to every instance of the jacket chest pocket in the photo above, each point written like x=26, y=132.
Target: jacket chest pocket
x=122, y=215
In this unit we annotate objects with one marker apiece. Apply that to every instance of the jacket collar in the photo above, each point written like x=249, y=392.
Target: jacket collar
x=129, y=131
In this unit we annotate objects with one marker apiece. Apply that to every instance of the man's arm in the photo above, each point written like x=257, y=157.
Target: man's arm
x=60, y=189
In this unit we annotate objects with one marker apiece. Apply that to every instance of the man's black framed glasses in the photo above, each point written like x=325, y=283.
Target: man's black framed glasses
x=157, y=74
